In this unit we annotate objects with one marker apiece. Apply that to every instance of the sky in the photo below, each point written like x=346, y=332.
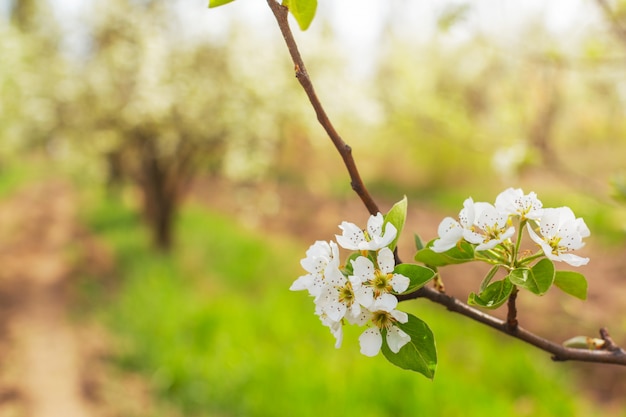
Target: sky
x=358, y=24
x=362, y=20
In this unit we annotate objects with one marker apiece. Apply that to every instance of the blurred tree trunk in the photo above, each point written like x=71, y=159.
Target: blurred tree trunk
x=158, y=198
x=115, y=170
x=162, y=179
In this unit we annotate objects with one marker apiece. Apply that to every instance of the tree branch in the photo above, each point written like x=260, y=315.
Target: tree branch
x=610, y=353
x=282, y=13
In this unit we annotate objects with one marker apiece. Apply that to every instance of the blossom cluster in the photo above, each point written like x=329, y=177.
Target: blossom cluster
x=361, y=292
x=557, y=231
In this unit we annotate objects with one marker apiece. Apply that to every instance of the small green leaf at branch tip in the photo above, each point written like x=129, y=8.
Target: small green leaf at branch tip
x=417, y=274
x=420, y=354
x=217, y=3
x=584, y=342
x=302, y=10
x=572, y=283
x=496, y=294
x=397, y=217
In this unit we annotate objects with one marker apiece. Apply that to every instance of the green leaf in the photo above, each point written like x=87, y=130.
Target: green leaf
x=420, y=354
x=419, y=245
x=573, y=283
x=419, y=275
x=537, y=279
x=493, y=296
x=464, y=252
x=302, y=10
x=543, y=271
x=522, y=278
x=217, y=3
x=397, y=217
x=492, y=272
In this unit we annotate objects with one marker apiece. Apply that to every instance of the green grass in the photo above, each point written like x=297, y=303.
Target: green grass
x=216, y=332
x=16, y=173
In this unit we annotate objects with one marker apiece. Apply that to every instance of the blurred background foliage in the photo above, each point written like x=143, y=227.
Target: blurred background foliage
x=142, y=116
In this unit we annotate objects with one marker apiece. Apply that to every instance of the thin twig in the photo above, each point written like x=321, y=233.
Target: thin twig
x=615, y=355
x=281, y=13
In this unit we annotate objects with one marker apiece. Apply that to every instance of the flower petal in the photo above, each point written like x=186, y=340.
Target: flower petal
x=371, y=341
x=400, y=316
x=375, y=225
x=363, y=268
x=571, y=259
x=450, y=232
x=533, y=235
x=400, y=283
x=336, y=328
x=361, y=319
x=333, y=275
x=396, y=338
x=351, y=237
x=303, y=283
x=364, y=296
x=386, y=261
x=378, y=241
x=467, y=215
x=385, y=302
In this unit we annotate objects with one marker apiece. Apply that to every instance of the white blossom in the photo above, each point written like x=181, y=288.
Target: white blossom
x=378, y=282
x=515, y=203
x=560, y=233
x=322, y=265
x=339, y=298
x=371, y=340
x=490, y=227
x=372, y=238
x=450, y=231
x=336, y=327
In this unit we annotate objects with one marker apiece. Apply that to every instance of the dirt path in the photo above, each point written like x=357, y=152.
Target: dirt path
x=50, y=364
x=54, y=360
x=41, y=359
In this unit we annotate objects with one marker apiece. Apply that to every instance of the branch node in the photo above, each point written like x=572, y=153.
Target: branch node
x=609, y=344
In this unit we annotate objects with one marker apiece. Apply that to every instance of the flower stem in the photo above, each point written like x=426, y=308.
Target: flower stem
x=518, y=242
x=529, y=259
